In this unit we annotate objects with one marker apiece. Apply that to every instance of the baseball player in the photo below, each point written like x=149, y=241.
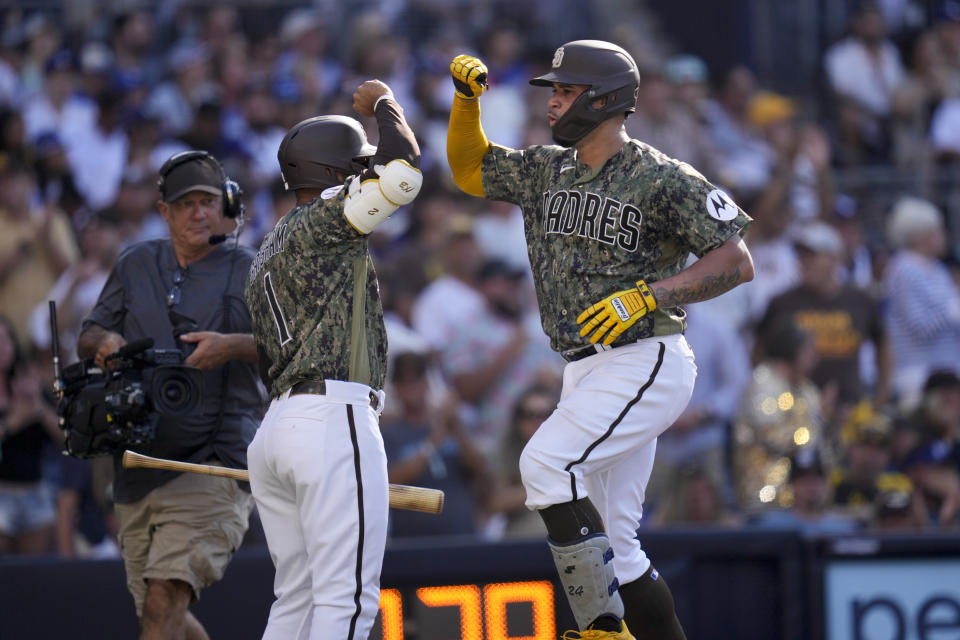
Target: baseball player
x=317, y=465
x=609, y=223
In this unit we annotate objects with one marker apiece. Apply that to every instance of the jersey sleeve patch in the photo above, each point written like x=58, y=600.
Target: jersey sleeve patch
x=720, y=206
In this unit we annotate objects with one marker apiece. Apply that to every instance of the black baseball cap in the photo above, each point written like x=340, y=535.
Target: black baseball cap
x=194, y=175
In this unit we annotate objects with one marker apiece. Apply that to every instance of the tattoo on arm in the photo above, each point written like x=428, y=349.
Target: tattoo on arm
x=703, y=289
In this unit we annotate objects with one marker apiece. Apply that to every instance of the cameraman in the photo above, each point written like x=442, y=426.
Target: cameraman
x=177, y=531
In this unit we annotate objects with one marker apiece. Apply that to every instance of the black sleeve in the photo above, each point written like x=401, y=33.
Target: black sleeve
x=396, y=138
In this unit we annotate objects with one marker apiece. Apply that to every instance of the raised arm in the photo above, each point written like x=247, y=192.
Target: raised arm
x=373, y=98
x=466, y=142
x=393, y=178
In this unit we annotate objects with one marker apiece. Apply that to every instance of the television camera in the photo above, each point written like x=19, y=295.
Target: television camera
x=104, y=410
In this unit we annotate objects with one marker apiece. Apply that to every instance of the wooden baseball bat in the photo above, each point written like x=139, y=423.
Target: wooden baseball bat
x=401, y=496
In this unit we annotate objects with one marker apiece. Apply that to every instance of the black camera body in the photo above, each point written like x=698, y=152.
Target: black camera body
x=106, y=410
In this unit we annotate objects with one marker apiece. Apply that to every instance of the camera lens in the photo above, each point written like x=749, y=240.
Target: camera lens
x=174, y=392
x=177, y=390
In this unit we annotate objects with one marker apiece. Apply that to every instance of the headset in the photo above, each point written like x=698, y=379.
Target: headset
x=231, y=191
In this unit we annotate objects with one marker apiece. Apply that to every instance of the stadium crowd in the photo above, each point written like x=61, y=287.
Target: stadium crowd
x=828, y=396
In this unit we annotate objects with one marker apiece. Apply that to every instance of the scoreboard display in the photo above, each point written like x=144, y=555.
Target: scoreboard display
x=471, y=592
x=496, y=611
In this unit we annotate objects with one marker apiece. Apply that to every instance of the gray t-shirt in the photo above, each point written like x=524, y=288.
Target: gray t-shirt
x=133, y=304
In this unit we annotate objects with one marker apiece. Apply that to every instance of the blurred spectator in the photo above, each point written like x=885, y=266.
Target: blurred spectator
x=98, y=154
x=189, y=86
x=36, y=245
x=947, y=29
x=839, y=317
x=429, y=447
x=866, y=457
x=398, y=298
x=498, y=230
x=915, y=99
x=688, y=75
x=856, y=268
x=59, y=108
x=14, y=147
x=660, y=123
x=780, y=414
x=701, y=435
x=945, y=130
x=807, y=497
x=206, y=132
x=54, y=176
x=696, y=500
x=10, y=60
x=131, y=37
x=262, y=135
x=305, y=62
x=221, y=26
x=135, y=209
x=896, y=508
x=85, y=523
x=744, y=164
x=863, y=70
x=42, y=40
x=922, y=309
x=78, y=287
x=498, y=352
x=507, y=502
x=799, y=159
x=774, y=256
x=934, y=464
x=96, y=66
x=451, y=300
x=28, y=423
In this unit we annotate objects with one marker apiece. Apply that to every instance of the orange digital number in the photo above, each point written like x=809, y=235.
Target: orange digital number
x=538, y=594
x=391, y=614
x=465, y=596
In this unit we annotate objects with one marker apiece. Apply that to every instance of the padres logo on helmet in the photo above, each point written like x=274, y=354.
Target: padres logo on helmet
x=557, y=58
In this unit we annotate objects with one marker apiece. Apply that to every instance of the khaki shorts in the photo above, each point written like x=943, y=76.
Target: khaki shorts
x=185, y=530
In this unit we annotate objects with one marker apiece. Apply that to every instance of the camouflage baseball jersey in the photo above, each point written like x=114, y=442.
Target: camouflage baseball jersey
x=592, y=232
x=300, y=295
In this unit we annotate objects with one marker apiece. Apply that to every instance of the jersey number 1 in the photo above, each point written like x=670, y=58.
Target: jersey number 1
x=285, y=336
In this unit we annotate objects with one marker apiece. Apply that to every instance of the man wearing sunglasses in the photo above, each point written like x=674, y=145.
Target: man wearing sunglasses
x=177, y=532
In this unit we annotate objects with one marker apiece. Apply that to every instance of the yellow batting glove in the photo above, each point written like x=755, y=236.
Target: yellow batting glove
x=469, y=76
x=617, y=313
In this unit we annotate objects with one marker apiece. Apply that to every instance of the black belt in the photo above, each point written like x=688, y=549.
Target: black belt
x=579, y=353
x=319, y=388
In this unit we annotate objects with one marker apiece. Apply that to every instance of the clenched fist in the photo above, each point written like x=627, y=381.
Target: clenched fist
x=469, y=76
x=367, y=94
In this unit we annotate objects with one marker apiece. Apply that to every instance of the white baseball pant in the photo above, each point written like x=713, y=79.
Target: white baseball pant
x=318, y=472
x=601, y=439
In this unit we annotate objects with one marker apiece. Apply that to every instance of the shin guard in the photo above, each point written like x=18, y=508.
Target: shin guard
x=588, y=578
